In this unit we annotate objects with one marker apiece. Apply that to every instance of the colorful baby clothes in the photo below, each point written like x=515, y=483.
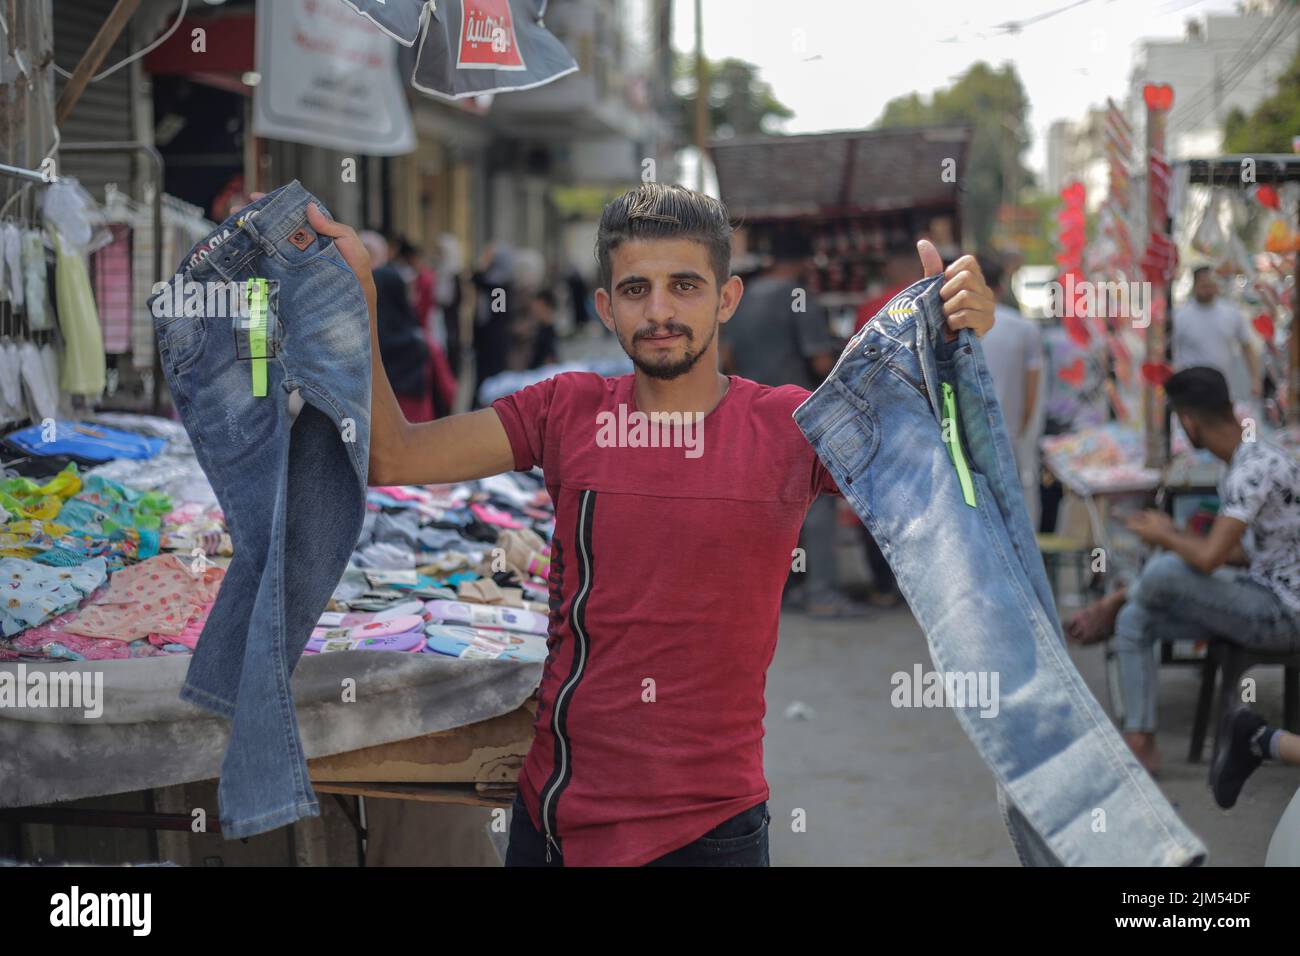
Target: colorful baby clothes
x=189, y=635
x=27, y=499
x=157, y=596
x=27, y=539
x=31, y=593
x=105, y=507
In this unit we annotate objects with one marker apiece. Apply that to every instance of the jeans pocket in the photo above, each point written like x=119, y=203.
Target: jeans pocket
x=753, y=829
x=180, y=342
x=853, y=442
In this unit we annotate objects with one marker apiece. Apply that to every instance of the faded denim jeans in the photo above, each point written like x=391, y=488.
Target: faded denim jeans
x=291, y=480
x=908, y=425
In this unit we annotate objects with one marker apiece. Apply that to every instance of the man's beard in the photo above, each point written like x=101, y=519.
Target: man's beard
x=667, y=369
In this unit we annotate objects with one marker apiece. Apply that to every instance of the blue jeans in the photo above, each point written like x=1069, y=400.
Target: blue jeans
x=291, y=482
x=966, y=560
x=1172, y=601
x=739, y=841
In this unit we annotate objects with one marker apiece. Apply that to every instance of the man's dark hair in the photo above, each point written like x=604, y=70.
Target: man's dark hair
x=657, y=211
x=1200, y=392
x=992, y=268
x=1196, y=273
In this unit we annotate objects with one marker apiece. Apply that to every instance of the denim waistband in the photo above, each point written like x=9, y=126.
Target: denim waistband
x=254, y=230
x=913, y=320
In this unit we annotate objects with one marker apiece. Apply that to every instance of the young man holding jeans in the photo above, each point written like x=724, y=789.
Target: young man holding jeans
x=668, y=561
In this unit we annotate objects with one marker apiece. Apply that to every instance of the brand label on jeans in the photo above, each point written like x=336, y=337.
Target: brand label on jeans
x=900, y=309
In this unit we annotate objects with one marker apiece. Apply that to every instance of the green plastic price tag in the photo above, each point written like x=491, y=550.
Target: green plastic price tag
x=954, y=445
x=257, y=299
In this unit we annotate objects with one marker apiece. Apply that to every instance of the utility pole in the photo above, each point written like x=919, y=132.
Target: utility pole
x=701, y=94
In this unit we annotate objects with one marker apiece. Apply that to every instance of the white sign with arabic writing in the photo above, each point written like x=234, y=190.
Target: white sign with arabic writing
x=328, y=78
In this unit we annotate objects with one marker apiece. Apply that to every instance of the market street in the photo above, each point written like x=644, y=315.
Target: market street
x=859, y=766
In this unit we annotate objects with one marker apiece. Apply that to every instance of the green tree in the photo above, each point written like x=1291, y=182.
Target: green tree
x=994, y=103
x=740, y=104
x=1269, y=128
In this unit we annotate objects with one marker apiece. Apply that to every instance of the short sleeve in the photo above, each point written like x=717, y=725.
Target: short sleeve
x=1245, y=489
x=524, y=416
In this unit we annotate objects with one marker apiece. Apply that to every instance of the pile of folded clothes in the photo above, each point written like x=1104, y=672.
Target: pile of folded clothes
x=112, y=546
x=458, y=570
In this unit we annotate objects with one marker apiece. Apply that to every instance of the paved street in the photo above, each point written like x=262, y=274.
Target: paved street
x=887, y=786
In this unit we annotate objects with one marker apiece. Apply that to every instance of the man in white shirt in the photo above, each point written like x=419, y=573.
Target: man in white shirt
x=1209, y=332
x=1240, y=582
x=1013, y=350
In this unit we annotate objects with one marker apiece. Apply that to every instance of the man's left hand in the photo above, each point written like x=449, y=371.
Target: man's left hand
x=967, y=300
x=1153, y=527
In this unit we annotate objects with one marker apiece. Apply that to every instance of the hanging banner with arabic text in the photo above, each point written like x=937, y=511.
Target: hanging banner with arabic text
x=472, y=47
x=328, y=78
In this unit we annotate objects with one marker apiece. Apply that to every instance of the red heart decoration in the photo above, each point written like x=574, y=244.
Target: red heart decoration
x=1156, y=373
x=1263, y=324
x=1073, y=194
x=1158, y=96
x=1267, y=196
x=1072, y=374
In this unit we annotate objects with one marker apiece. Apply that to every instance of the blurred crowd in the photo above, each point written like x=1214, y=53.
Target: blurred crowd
x=446, y=326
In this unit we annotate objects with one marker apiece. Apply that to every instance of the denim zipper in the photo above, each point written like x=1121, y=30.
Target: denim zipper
x=954, y=445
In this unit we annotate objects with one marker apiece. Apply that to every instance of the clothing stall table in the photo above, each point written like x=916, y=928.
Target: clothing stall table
x=423, y=727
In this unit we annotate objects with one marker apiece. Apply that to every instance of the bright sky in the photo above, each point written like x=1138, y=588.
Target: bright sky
x=837, y=62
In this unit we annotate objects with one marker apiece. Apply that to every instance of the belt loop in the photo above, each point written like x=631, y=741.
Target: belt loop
x=250, y=226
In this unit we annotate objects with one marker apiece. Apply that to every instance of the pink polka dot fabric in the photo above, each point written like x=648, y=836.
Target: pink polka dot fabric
x=158, y=596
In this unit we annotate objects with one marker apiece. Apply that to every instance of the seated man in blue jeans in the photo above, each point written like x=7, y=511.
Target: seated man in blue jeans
x=1186, y=592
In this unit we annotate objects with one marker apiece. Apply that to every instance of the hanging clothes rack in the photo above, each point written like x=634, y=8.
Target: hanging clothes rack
x=155, y=161
x=35, y=175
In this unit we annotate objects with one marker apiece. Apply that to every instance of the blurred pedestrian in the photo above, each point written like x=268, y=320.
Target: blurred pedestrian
x=402, y=345
x=1209, y=332
x=450, y=296
x=579, y=298
x=421, y=287
x=541, y=315
x=494, y=309
x=1013, y=351
x=780, y=335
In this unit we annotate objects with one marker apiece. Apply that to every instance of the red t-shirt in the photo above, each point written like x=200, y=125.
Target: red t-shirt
x=667, y=568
